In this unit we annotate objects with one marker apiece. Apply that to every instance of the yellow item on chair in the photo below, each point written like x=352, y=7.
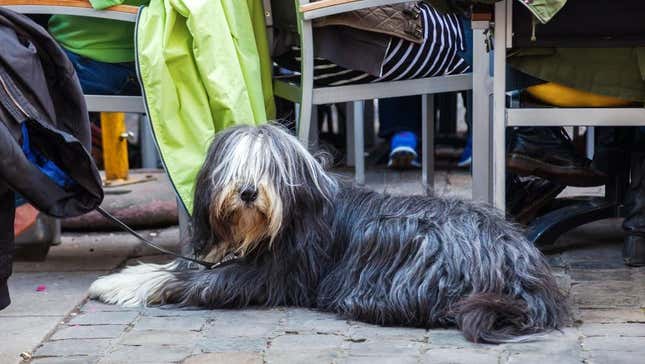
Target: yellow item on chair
x=559, y=95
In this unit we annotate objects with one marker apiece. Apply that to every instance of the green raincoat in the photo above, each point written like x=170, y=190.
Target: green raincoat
x=204, y=66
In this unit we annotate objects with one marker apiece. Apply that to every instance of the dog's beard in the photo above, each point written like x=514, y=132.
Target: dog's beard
x=241, y=227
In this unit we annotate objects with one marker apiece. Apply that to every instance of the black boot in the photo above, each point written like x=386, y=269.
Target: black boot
x=634, y=224
x=548, y=152
x=526, y=197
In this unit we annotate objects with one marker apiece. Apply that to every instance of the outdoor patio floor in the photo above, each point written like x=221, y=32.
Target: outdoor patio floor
x=60, y=326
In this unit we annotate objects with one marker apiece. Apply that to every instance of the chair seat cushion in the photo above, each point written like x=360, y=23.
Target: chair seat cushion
x=559, y=95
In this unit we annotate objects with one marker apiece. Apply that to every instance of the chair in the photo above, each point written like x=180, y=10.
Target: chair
x=111, y=107
x=547, y=228
x=308, y=96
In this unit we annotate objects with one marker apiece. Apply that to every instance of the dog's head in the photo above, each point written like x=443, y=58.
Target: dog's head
x=254, y=184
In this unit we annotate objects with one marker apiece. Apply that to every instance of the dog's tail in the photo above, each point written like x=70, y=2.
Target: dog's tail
x=499, y=318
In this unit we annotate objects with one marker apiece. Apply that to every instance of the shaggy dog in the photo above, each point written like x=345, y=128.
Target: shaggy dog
x=302, y=238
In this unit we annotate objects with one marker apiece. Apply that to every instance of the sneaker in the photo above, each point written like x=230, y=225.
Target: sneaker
x=466, y=158
x=403, y=151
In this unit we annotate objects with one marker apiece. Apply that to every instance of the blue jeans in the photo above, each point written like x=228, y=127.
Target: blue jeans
x=101, y=78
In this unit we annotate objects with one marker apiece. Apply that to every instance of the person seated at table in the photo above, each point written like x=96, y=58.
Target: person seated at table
x=101, y=50
x=388, y=43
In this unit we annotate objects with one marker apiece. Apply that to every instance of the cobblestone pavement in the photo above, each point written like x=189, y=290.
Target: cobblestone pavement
x=608, y=302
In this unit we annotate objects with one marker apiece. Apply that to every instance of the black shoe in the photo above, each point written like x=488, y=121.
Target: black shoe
x=549, y=153
x=526, y=198
x=634, y=250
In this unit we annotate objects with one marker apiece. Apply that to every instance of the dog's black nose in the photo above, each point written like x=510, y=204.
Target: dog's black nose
x=248, y=194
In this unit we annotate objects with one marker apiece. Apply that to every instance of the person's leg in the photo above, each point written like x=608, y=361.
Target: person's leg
x=625, y=144
x=400, y=122
x=466, y=158
x=100, y=78
x=634, y=224
x=546, y=152
x=6, y=242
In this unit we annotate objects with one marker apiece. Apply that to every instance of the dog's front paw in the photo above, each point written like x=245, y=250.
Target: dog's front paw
x=134, y=286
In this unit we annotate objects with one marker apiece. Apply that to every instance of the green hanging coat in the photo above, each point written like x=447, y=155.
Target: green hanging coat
x=204, y=66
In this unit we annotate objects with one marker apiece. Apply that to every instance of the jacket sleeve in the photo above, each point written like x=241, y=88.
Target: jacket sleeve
x=102, y=4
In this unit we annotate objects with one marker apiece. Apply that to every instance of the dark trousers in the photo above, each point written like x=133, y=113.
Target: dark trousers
x=399, y=114
x=7, y=211
x=404, y=113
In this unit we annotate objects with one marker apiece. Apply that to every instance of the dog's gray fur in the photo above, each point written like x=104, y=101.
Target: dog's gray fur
x=415, y=261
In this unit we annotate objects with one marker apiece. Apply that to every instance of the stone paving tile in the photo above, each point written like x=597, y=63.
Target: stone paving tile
x=623, y=330
x=149, y=354
x=380, y=359
x=614, y=357
x=23, y=334
x=613, y=315
x=225, y=358
x=92, y=306
x=614, y=343
x=539, y=358
x=387, y=347
x=361, y=330
x=303, y=357
x=159, y=337
x=73, y=347
x=260, y=315
x=61, y=288
x=605, y=294
x=310, y=321
x=68, y=360
x=445, y=356
x=167, y=312
x=306, y=343
x=581, y=275
x=327, y=325
x=450, y=338
x=239, y=328
x=89, y=332
x=230, y=344
x=175, y=323
x=104, y=318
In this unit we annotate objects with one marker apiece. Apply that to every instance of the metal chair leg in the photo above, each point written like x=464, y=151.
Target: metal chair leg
x=349, y=134
x=306, y=81
x=359, y=141
x=481, y=116
x=591, y=142
x=427, y=140
x=184, y=221
x=499, y=109
x=149, y=153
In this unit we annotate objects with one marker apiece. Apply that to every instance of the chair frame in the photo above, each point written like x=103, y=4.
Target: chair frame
x=134, y=104
x=506, y=117
x=307, y=96
x=545, y=230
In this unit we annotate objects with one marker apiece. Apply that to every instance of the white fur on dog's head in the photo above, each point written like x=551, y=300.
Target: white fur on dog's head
x=269, y=161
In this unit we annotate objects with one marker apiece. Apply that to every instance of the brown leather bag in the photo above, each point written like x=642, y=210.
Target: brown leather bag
x=400, y=20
